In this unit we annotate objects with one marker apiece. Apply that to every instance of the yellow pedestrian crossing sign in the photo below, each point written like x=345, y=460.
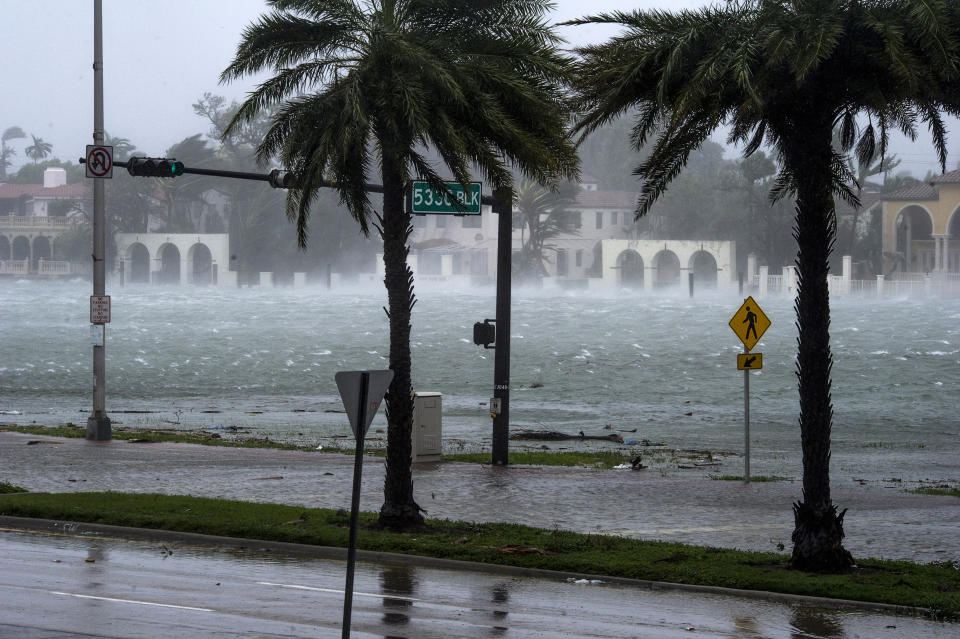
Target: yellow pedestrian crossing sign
x=750, y=323
x=749, y=361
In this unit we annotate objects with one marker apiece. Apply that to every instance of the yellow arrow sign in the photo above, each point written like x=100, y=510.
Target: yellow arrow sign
x=750, y=323
x=749, y=361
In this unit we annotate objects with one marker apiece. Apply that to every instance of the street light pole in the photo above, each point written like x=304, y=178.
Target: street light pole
x=98, y=424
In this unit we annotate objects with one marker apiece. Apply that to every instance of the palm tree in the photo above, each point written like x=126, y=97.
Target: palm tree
x=371, y=86
x=785, y=73
x=11, y=133
x=38, y=150
x=543, y=215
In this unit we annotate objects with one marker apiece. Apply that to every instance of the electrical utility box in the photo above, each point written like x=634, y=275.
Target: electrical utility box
x=427, y=431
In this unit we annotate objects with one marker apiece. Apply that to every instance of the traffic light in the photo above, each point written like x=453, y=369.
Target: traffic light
x=155, y=167
x=282, y=179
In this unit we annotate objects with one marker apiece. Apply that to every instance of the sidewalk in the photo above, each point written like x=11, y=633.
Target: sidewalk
x=881, y=522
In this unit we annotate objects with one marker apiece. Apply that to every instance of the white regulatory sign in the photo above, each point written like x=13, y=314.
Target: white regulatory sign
x=99, y=309
x=99, y=161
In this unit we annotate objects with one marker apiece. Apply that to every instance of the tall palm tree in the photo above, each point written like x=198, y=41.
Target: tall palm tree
x=38, y=150
x=10, y=133
x=369, y=86
x=785, y=73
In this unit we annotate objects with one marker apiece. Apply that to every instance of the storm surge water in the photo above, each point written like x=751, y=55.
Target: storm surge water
x=655, y=367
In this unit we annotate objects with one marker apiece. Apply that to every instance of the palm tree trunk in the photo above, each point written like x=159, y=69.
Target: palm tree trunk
x=818, y=533
x=399, y=510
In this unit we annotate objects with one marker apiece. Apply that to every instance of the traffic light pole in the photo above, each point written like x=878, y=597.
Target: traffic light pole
x=98, y=424
x=503, y=206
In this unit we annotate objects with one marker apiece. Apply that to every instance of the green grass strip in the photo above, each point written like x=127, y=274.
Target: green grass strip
x=932, y=586
x=936, y=490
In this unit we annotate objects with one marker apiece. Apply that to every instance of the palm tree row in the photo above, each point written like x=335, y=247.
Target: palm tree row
x=362, y=87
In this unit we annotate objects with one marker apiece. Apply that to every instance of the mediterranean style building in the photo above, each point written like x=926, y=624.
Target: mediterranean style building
x=33, y=217
x=919, y=223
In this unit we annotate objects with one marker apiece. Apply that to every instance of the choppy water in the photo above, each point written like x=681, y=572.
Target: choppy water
x=663, y=365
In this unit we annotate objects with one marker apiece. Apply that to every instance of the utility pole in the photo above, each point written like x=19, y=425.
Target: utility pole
x=98, y=424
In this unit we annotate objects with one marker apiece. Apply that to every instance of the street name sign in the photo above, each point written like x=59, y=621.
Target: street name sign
x=99, y=161
x=425, y=199
x=750, y=323
x=749, y=361
x=349, y=385
x=99, y=309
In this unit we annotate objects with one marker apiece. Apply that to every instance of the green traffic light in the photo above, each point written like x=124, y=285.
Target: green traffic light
x=176, y=168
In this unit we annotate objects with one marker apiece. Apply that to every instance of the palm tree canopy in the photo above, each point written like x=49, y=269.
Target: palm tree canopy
x=38, y=150
x=760, y=65
x=479, y=81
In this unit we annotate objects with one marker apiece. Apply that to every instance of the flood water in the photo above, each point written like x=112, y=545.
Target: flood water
x=656, y=367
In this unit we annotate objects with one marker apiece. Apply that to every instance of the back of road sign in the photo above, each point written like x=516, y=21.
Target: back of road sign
x=348, y=383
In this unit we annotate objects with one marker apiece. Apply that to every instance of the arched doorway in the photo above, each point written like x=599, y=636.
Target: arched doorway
x=169, y=264
x=139, y=259
x=21, y=248
x=201, y=264
x=41, y=249
x=630, y=267
x=704, y=268
x=667, y=265
x=914, y=242
x=4, y=248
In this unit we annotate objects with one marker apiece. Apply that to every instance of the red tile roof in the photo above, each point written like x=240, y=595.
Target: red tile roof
x=14, y=191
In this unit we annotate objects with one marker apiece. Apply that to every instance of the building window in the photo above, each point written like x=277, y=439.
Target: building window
x=471, y=221
x=579, y=258
x=599, y=219
x=562, y=266
x=575, y=218
x=613, y=218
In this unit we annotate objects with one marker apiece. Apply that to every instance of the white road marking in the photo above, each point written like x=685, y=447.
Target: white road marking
x=338, y=592
x=130, y=601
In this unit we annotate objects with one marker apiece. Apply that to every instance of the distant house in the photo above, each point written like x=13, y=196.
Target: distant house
x=32, y=217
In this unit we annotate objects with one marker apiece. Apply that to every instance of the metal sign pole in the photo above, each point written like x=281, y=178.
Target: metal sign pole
x=355, y=504
x=98, y=424
x=746, y=423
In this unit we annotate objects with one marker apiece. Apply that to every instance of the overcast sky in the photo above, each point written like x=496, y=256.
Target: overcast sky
x=161, y=57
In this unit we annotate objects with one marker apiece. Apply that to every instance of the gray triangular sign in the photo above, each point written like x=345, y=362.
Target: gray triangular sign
x=348, y=383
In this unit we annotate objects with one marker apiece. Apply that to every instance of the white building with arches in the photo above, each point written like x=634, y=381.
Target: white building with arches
x=654, y=264
x=174, y=258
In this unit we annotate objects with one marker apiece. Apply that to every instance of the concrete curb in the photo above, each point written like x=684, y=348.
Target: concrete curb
x=55, y=527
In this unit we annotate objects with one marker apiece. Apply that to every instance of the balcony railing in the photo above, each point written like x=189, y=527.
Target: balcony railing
x=36, y=222
x=43, y=267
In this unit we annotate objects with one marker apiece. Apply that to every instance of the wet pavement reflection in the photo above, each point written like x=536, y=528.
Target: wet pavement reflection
x=149, y=590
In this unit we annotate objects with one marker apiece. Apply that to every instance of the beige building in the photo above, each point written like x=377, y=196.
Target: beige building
x=921, y=227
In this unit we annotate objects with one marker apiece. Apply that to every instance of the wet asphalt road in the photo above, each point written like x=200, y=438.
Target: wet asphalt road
x=73, y=587
x=882, y=521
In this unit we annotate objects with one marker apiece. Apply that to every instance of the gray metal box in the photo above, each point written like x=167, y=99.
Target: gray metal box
x=427, y=431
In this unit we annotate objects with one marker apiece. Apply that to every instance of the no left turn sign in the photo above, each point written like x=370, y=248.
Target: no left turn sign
x=99, y=161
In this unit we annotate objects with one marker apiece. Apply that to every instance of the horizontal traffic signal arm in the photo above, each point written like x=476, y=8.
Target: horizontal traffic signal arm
x=277, y=178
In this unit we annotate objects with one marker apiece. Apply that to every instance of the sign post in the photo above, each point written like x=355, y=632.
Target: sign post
x=361, y=392
x=749, y=323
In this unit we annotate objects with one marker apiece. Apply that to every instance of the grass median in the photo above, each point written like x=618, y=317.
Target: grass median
x=935, y=587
